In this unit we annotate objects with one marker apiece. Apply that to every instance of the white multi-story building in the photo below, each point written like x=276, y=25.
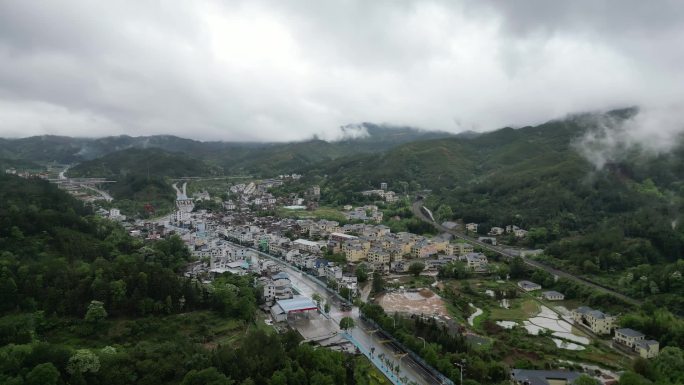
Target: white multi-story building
x=598, y=321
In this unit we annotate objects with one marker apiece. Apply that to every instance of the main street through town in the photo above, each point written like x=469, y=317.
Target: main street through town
x=417, y=207
x=363, y=334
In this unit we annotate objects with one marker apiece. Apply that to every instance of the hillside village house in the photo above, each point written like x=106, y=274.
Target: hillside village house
x=349, y=281
x=597, y=321
x=520, y=233
x=471, y=227
x=355, y=253
x=494, y=231
x=268, y=291
x=283, y=286
x=388, y=196
x=459, y=248
x=423, y=249
x=377, y=255
x=476, y=262
x=529, y=286
x=399, y=266
x=307, y=245
x=115, y=214
x=636, y=342
x=333, y=273
x=552, y=295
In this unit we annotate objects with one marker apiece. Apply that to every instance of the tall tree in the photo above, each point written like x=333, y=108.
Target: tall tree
x=43, y=374
x=416, y=268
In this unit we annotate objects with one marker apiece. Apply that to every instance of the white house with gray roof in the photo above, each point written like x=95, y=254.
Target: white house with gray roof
x=596, y=320
x=637, y=342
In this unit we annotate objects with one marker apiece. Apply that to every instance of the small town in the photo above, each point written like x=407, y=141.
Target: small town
x=313, y=272
x=346, y=192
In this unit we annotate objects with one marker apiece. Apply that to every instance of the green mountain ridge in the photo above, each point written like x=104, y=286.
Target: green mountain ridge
x=62, y=149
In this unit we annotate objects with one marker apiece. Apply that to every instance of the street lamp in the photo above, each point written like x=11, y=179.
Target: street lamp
x=460, y=366
x=423, y=341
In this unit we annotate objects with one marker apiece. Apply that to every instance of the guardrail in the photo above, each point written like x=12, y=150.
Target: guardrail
x=434, y=372
x=378, y=364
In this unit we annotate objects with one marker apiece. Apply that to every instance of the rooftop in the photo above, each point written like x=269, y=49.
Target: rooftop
x=281, y=275
x=296, y=304
x=306, y=242
x=544, y=377
x=646, y=343
x=629, y=332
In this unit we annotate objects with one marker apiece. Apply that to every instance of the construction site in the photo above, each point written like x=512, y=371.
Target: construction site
x=414, y=302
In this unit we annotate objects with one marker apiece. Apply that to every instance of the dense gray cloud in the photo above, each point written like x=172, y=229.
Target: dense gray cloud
x=285, y=70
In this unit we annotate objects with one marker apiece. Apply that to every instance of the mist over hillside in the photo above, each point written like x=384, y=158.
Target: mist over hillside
x=63, y=149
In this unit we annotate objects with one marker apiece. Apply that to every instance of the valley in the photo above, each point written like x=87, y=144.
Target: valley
x=426, y=252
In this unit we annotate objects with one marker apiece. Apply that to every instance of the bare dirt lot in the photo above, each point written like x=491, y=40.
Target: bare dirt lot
x=420, y=301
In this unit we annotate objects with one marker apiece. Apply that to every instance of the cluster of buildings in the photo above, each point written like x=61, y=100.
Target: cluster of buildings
x=115, y=215
x=601, y=323
x=252, y=194
x=276, y=285
x=625, y=339
x=497, y=231
x=27, y=174
x=386, y=195
x=256, y=194
x=549, y=295
x=212, y=238
x=510, y=229
x=367, y=213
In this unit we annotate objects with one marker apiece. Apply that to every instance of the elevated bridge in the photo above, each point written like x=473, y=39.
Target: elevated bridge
x=86, y=181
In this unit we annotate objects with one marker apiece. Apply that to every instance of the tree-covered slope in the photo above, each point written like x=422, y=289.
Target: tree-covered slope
x=82, y=302
x=592, y=221
x=152, y=162
x=142, y=176
x=232, y=156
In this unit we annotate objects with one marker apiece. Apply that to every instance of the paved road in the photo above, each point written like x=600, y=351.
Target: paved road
x=362, y=333
x=181, y=194
x=416, y=208
x=103, y=194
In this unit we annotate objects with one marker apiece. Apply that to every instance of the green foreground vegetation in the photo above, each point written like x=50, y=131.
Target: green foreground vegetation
x=81, y=302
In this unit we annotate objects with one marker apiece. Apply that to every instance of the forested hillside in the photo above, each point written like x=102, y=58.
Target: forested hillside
x=232, y=157
x=624, y=218
x=152, y=162
x=142, y=176
x=81, y=302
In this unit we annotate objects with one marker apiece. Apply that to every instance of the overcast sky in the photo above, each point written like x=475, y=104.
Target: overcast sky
x=286, y=70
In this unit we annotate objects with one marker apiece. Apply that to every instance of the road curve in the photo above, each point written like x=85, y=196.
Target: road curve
x=416, y=209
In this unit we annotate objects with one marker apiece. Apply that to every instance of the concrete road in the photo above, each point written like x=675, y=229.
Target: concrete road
x=103, y=194
x=362, y=333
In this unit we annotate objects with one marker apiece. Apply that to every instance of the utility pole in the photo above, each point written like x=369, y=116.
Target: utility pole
x=460, y=366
